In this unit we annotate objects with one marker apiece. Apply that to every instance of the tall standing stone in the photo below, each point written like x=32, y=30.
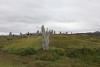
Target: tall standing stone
x=45, y=38
x=10, y=34
x=21, y=35
x=54, y=32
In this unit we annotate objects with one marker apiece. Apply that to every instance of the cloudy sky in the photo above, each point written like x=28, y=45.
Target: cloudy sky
x=60, y=15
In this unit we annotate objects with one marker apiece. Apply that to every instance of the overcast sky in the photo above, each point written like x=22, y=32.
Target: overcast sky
x=60, y=15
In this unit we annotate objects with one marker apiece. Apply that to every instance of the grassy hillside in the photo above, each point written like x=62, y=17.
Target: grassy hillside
x=65, y=51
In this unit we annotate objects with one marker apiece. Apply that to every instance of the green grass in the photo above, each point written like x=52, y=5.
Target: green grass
x=33, y=42
x=74, y=41
x=65, y=51
x=7, y=60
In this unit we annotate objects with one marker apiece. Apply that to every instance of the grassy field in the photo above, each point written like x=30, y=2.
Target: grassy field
x=65, y=51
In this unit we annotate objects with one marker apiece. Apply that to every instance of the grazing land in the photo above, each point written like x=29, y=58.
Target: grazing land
x=70, y=50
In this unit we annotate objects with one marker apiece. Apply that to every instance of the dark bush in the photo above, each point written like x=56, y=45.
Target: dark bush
x=26, y=51
x=22, y=51
x=79, y=53
x=60, y=51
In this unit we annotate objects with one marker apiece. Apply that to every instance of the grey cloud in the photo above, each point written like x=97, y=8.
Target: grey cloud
x=27, y=15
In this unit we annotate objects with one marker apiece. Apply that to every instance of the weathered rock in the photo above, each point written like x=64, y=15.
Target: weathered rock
x=45, y=38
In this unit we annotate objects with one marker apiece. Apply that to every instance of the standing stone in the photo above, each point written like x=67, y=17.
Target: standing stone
x=28, y=34
x=45, y=38
x=21, y=35
x=54, y=32
x=66, y=32
x=37, y=32
x=60, y=32
x=10, y=34
x=71, y=33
